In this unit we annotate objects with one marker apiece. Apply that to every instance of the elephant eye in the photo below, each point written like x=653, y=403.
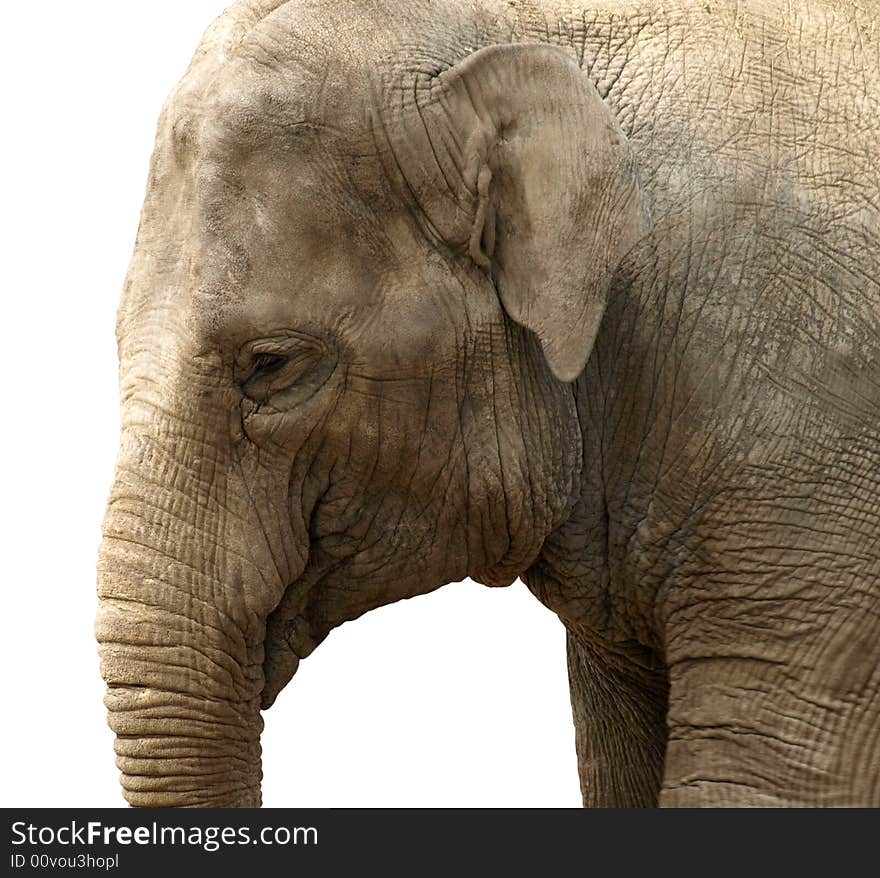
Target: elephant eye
x=266, y=364
x=283, y=368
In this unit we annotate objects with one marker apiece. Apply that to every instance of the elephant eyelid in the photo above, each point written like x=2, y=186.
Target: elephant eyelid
x=271, y=365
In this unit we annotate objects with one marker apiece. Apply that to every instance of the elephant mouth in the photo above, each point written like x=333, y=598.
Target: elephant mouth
x=288, y=641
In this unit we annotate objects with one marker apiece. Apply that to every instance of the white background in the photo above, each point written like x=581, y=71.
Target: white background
x=455, y=698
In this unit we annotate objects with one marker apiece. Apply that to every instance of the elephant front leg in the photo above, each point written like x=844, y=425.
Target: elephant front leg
x=774, y=698
x=618, y=698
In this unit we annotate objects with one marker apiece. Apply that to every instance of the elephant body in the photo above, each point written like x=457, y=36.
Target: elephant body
x=587, y=296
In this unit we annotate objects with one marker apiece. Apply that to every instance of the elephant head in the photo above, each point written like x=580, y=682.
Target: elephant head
x=359, y=294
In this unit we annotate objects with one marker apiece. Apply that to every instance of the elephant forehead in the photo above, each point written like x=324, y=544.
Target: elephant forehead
x=308, y=189
x=316, y=255
x=268, y=201
x=276, y=67
x=279, y=78
x=287, y=233
x=343, y=292
x=244, y=108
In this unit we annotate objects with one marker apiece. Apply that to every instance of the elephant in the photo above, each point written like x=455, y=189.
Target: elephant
x=579, y=293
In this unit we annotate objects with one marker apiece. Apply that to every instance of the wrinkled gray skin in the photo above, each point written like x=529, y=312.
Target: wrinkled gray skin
x=599, y=310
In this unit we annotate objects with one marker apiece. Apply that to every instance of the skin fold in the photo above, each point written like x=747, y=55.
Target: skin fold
x=586, y=295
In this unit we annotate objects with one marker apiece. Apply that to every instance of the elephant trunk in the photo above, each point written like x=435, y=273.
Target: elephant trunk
x=177, y=750
x=181, y=653
x=186, y=713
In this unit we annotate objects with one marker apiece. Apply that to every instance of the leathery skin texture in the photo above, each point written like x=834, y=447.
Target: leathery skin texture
x=583, y=293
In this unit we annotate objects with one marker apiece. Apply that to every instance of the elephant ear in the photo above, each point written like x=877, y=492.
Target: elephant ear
x=514, y=160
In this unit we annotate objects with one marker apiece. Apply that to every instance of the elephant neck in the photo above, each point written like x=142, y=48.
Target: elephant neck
x=572, y=574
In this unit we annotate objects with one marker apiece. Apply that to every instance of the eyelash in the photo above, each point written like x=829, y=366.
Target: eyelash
x=266, y=364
